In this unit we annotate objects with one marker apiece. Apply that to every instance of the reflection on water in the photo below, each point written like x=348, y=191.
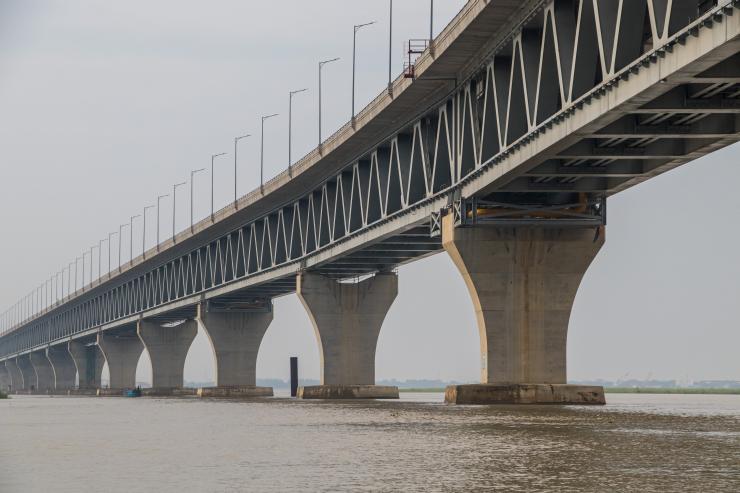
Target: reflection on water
x=635, y=443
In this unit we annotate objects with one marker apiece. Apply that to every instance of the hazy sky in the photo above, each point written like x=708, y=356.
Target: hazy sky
x=104, y=105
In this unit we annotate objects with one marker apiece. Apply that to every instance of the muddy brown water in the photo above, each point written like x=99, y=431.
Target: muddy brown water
x=635, y=443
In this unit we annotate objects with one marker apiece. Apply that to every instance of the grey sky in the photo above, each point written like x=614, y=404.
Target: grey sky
x=104, y=105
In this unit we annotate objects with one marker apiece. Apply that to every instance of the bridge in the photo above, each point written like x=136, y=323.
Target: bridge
x=501, y=147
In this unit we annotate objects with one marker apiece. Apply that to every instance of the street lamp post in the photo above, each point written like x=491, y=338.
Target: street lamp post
x=192, y=175
x=390, y=44
x=174, y=203
x=213, y=157
x=262, y=152
x=143, y=231
x=159, y=199
x=321, y=65
x=110, y=235
x=69, y=279
x=120, y=235
x=77, y=259
x=56, y=280
x=236, y=141
x=83, y=271
x=290, y=129
x=431, y=23
x=100, y=258
x=91, y=265
x=131, y=239
x=354, y=56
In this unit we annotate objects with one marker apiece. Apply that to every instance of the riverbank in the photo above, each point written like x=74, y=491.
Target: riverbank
x=626, y=390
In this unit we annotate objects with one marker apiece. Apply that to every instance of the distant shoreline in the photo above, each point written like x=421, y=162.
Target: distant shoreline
x=622, y=390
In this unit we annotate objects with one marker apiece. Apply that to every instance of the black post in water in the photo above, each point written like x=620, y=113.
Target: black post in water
x=293, y=376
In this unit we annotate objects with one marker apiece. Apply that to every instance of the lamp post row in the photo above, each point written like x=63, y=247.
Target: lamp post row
x=49, y=292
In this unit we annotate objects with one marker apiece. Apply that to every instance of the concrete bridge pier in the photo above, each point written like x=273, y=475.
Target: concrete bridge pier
x=5, y=381
x=347, y=318
x=235, y=338
x=122, y=354
x=89, y=361
x=44, y=372
x=523, y=281
x=15, y=375
x=63, y=367
x=29, y=379
x=168, y=348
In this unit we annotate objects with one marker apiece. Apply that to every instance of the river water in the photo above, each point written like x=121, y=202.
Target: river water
x=635, y=443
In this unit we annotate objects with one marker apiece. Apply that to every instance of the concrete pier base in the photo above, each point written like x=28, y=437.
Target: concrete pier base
x=5, y=381
x=234, y=392
x=235, y=338
x=56, y=392
x=88, y=360
x=122, y=353
x=86, y=391
x=524, y=393
x=347, y=318
x=30, y=382
x=168, y=347
x=523, y=281
x=44, y=372
x=110, y=392
x=63, y=367
x=348, y=392
x=169, y=392
x=16, y=377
